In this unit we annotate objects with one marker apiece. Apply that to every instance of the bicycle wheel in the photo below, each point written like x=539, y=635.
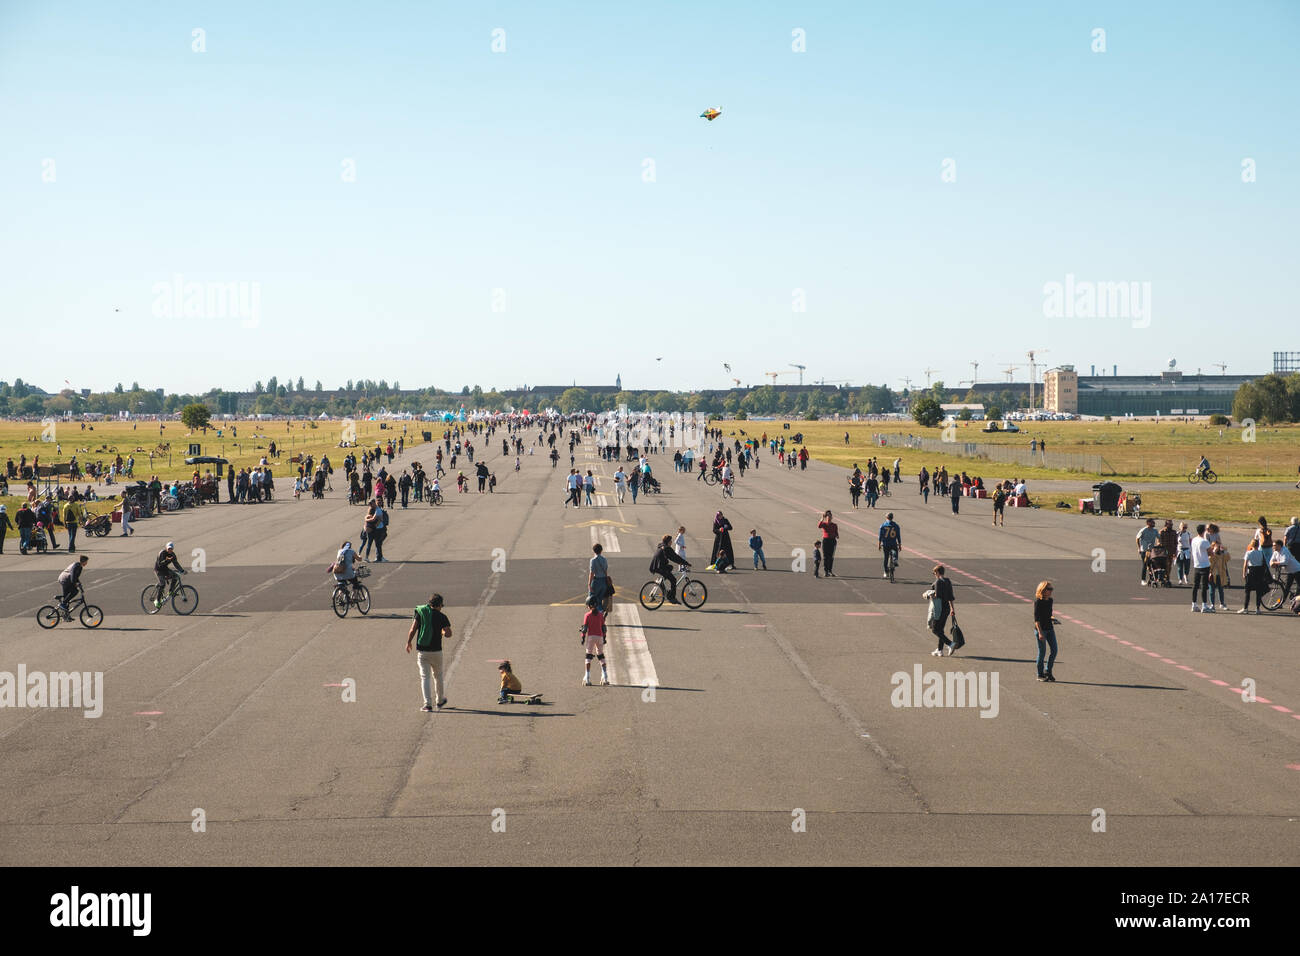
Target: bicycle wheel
x=652, y=596
x=362, y=599
x=1193, y=478
x=694, y=594
x=1273, y=596
x=171, y=503
x=185, y=600
x=48, y=616
x=91, y=616
x=1211, y=477
x=340, y=601
x=147, y=598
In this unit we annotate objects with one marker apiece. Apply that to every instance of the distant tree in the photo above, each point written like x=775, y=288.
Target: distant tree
x=196, y=416
x=118, y=390
x=573, y=399
x=964, y=415
x=992, y=412
x=926, y=412
x=349, y=388
x=257, y=388
x=318, y=386
x=272, y=385
x=135, y=386
x=299, y=388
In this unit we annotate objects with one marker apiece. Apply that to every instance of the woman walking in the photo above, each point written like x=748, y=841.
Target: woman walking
x=1045, y=630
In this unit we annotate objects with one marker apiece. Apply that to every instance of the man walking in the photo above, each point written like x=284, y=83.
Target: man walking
x=427, y=631
x=946, y=605
x=1200, y=571
x=72, y=520
x=1147, y=539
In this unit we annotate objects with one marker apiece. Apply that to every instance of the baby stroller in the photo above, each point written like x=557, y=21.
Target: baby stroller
x=649, y=485
x=318, y=487
x=39, y=542
x=1158, y=560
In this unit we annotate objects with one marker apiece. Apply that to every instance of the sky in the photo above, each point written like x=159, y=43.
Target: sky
x=510, y=194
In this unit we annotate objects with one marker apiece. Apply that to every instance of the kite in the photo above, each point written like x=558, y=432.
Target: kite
x=711, y=113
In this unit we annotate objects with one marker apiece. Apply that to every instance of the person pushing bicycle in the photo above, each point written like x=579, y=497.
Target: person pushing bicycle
x=167, y=580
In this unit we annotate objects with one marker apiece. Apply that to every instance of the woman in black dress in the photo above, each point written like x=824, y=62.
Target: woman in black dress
x=723, y=556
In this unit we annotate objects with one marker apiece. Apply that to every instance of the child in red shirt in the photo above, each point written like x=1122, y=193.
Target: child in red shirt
x=592, y=636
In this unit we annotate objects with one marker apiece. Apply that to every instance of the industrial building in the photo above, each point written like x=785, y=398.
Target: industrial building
x=1170, y=393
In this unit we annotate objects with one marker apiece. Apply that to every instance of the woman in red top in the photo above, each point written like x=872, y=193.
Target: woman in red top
x=830, y=535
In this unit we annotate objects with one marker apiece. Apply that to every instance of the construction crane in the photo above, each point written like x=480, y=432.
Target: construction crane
x=906, y=382
x=800, y=368
x=1032, y=366
x=775, y=374
x=928, y=373
x=1221, y=366
x=737, y=381
x=975, y=380
x=1009, y=371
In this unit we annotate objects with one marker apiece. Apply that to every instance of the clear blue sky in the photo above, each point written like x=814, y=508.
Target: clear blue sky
x=522, y=171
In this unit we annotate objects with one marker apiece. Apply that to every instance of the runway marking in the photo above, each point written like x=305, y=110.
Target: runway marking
x=755, y=625
x=633, y=651
x=809, y=509
x=148, y=713
x=334, y=685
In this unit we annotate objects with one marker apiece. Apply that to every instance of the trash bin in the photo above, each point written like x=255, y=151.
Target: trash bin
x=1105, y=496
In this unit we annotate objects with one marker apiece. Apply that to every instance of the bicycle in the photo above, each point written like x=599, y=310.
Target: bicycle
x=51, y=614
x=693, y=593
x=434, y=497
x=1276, y=593
x=358, y=595
x=170, y=503
x=184, y=598
x=1207, y=476
x=891, y=563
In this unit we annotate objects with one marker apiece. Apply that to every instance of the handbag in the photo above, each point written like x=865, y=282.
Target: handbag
x=958, y=637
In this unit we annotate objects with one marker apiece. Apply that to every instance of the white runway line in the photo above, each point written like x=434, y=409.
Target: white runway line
x=630, y=661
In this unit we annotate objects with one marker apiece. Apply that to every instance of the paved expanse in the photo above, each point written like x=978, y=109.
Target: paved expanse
x=771, y=706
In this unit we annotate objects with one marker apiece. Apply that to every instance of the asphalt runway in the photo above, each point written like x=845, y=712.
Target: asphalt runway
x=763, y=728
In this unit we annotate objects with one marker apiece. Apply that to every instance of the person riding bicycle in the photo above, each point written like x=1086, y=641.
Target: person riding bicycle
x=662, y=565
x=890, y=541
x=70, y=579
x=344, y=568
x=1203, y=467
x=162, y=566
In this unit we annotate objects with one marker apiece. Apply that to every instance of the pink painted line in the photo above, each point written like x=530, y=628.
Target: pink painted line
x=1265, y=700
x=334, y=685
x=1224, y=683
x=1136, y=648
x=1279, y=707
x=147, y=713
x=1139, y=599
x=1183, y=667
x=1199, y=674
x=755, y=625
x=1129, y=643
x=1293, y=766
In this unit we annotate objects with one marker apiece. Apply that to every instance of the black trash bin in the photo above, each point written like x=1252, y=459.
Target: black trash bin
x=1105, y=497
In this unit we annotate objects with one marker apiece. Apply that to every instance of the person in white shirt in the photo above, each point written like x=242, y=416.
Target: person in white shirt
x=1254, y=568
x=1020, y=489
x=1201, y=571
x=680, y=543
x=620, y=483
x=1284, y=562
x=1184, y=552
x=726, y=481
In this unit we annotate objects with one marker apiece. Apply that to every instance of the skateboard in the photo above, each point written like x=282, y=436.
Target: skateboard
x=521, y=698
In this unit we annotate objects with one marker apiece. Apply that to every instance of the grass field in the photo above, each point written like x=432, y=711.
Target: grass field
x=1156, y=451
x=1166, y=452
x=243, y=445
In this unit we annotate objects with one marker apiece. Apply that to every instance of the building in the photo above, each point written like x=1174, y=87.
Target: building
x=1061, y=390
x=1169, y=393
x=1284, y=363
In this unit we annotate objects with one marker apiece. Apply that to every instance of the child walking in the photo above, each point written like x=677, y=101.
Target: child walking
x=592, y=635
x=756, y=545
x=817, y=559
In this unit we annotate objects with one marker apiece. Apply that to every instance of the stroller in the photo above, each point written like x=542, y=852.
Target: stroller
x=39, y=542
x=318, y=486
x=649, y=485
x=1158, y=561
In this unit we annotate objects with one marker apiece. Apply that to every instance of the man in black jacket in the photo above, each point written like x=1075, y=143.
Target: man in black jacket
x=662, y=564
